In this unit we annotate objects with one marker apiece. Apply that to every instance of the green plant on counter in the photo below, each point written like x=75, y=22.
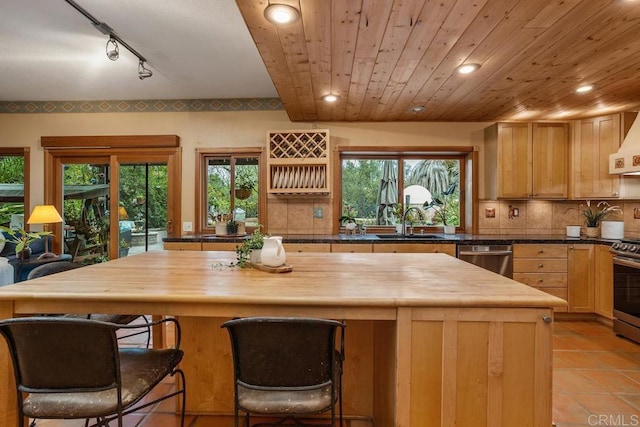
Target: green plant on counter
x=593, y=215
x=253, y=242
x=443, y=206
x=232, y=227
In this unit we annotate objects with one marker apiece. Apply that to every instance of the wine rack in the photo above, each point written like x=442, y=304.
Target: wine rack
x=298, y=162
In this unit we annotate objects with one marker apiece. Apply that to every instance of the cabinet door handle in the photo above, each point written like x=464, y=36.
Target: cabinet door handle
x=540, y=265
x=540, y=280
x=540, y=251
x=547, y=319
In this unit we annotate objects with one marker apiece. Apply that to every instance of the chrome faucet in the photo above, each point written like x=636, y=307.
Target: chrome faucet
x=404, y=219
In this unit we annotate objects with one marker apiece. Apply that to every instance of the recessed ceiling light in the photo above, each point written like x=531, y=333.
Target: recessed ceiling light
x=584, y=88
x=467, y=68
x=330, y=98
x=418, y=109
x=281, y=14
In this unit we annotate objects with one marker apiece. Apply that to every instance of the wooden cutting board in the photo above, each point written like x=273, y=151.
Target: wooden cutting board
x=280, y=269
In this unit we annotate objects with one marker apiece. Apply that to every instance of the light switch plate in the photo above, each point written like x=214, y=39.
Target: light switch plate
x=187, y=226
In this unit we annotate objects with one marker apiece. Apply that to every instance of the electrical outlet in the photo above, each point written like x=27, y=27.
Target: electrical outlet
x=489, y=212
x=187, y=226
x=317, y=213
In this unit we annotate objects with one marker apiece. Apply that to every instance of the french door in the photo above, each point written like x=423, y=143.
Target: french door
x=123, y=200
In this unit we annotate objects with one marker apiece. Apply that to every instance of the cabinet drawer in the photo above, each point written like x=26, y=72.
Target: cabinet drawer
x=219, y=246
x=542, y=280
x=449, y=249
x=182, y=246
x=540, y=251
x=351, y=248
x=307, y=247
x=548, y=265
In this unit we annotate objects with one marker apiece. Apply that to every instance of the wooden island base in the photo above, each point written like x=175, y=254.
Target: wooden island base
x=430, y=340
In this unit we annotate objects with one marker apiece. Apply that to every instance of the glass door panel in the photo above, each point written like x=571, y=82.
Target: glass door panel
x=85, y=211
x=142, y=207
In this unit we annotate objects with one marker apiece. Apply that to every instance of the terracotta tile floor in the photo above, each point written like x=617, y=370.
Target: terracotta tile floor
x=596, y=376
x=596, y=383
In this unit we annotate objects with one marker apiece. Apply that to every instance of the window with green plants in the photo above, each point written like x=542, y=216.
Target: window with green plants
x=12, y=174
x=377, y=189
x=232, y=191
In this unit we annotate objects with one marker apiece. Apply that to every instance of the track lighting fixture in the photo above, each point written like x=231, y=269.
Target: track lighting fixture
x=112, y=49
x=143, y=72
x=113, y=53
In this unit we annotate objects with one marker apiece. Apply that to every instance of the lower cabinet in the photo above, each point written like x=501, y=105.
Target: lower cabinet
x=603, y=289
x=543, y=267
x=182, y=246
x=445, y=248
x=581, y=278
x=306, y=247
x=352, y=247
x=219, y=246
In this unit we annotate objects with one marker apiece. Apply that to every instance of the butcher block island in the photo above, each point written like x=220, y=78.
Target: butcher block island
x=430, y=340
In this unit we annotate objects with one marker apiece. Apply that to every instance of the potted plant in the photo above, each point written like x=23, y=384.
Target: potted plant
x=593, y=215
x=123, y=249
x=232, y=226
x=249, y=251
x=22, y=239
x=348, y=218
x=245, y=183
x=444, y=209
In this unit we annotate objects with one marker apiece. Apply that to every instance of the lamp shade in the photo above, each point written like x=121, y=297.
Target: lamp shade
x=44, y=214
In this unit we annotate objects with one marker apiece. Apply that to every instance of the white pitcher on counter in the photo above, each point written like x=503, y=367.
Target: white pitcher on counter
x=272, y=253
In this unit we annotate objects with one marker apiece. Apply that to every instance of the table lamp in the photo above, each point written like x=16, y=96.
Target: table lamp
x=45, y=214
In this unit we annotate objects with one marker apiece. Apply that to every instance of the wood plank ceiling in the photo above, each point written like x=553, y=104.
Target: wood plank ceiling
x=384, y=57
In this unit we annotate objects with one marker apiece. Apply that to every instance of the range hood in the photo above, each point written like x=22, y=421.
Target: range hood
x=627, y=160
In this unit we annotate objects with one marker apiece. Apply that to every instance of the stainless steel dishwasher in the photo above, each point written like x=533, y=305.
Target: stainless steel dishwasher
x=496, y=258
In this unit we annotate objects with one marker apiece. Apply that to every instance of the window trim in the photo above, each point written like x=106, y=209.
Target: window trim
x=469, y=158
x=202, y=154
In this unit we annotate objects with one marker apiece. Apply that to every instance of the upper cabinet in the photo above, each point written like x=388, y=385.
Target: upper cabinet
x=298, y=162
x=594, y=139
x=526, y=160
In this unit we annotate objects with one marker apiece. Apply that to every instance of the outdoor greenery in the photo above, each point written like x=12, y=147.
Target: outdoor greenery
x=11, y=172
x=220, y=185
x=12, y=169
x=361, y=182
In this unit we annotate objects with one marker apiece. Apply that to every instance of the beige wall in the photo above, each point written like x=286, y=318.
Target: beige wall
x=228, y=129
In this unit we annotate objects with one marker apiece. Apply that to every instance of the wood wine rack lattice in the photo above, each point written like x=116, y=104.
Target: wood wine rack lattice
x=298, y=162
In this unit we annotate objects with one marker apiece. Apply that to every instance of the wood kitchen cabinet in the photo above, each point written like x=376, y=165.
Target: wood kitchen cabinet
x=307, y=247
x=449, y=249
x=182, y=246
x=527, y=160
x=594, y=139
x=543, y=267
x=351, y=247
x=581, y=278
x=603, y=291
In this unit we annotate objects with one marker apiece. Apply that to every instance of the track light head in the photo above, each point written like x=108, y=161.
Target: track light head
x=143, y=72
x=113, y=51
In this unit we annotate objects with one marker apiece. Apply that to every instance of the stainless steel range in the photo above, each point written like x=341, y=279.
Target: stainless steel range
x=626, y=288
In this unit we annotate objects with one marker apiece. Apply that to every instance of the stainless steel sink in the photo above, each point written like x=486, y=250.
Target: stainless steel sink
x=408, y=236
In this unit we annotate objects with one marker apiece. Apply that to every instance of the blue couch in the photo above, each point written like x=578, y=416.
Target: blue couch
x=9, y=252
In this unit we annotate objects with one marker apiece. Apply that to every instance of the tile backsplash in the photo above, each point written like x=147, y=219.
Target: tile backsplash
x=546, y=217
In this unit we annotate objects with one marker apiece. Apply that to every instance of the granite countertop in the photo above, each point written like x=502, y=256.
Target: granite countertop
x=437, y=238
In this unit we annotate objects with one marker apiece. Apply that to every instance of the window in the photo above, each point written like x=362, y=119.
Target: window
x=13, y=187
x=231, y=189
x=378, y=188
